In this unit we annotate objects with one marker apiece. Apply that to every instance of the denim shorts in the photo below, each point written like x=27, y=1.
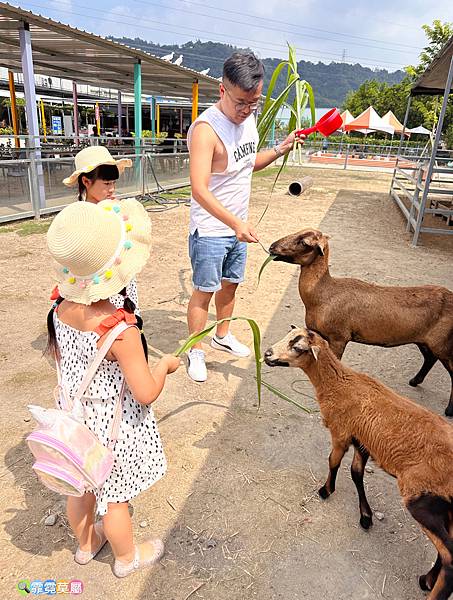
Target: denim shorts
x=214, y=259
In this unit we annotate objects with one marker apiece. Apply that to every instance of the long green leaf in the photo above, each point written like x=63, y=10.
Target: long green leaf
x=272, y=82
x=196, y=337
x=303, y=94
x=269, y=259
x=282, y=395
x=311, y=97
x=266, y=120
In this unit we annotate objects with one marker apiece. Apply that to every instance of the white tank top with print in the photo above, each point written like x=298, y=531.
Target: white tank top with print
x=232, y=186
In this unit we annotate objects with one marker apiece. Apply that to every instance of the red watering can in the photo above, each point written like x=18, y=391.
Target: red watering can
x=326, y=125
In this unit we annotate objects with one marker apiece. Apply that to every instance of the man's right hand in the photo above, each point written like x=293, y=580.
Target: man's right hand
x=246, y=232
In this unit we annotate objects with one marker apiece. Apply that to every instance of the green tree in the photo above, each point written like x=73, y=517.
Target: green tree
x=424, y=109
x=438, y=35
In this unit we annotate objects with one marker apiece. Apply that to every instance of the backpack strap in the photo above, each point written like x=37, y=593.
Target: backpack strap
x=91, y=371
x=99, y=357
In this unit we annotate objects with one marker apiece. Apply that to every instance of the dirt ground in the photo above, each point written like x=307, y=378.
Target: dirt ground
x=238, y=507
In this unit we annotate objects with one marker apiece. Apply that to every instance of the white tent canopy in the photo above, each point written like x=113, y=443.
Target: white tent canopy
x=420, y=129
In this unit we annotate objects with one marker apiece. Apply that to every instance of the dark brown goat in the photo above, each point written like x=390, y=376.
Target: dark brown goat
x=406, y=440
x=349, y=310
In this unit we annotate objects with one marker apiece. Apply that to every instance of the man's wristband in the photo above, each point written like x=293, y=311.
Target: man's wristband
x=277, y=151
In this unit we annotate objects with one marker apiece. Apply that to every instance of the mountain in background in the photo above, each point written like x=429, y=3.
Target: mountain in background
x=331, y=82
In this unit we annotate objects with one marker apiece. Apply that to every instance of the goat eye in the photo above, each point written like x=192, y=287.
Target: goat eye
x=293, y=343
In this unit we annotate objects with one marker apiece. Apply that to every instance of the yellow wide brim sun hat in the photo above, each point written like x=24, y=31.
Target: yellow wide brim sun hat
x=98, y=248
x=89, y=158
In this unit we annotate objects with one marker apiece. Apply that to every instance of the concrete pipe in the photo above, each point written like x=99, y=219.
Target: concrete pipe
x=296, y=188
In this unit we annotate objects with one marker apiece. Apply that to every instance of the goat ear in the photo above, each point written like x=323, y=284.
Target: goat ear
x=322, y=243
x=315, y=351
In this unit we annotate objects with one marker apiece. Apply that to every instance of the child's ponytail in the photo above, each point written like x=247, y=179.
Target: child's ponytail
x=51, y=347
x=129, y=306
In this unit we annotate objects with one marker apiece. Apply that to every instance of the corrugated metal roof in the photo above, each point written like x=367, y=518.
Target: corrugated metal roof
x=71, y=53
x=434, y=79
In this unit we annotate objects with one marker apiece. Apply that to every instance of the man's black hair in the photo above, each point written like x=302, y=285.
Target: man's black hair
x=244, y=70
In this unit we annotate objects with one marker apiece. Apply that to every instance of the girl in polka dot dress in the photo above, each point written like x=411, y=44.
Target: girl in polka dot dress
x=98, y=249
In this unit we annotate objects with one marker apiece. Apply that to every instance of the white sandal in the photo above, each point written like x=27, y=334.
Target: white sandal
x=83, y=557
x=121, y=569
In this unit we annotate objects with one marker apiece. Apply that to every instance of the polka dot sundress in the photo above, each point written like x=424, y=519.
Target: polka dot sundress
x=139, y=456
x=131, y=289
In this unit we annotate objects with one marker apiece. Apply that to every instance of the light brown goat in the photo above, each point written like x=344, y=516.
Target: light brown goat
x=405, y=439
x=349, y=310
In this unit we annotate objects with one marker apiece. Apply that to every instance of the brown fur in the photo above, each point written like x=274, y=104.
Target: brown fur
x=406, y=440
x=345, y=310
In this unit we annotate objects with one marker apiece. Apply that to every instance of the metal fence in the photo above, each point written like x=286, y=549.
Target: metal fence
x=346, y=155
x=426, y=204
x=155, y=166
x=157, y=163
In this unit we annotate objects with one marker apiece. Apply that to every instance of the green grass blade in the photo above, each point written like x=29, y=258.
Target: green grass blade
x=272, y=83
x=267, y=118
x=262, y=214
x=311, y=98
x=269, y=259
x=194, y=338
x=283, y=396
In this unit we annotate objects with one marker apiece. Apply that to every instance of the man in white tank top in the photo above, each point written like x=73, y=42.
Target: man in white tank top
x=223, y=155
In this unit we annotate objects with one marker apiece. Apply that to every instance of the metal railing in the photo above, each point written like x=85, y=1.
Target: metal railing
x=20, y=177
x=426, y=205
x=344, y=155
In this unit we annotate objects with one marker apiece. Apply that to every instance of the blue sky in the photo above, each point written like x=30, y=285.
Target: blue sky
x=389, y=35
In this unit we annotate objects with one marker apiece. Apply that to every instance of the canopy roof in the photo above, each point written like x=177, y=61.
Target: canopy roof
x=420, y=129
x=369, y=121
x=434, y=79
x=390, y=119
x=347, y=117
x=83, y=57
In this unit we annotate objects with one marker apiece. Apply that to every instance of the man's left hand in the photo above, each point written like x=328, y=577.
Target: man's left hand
x=287, y=145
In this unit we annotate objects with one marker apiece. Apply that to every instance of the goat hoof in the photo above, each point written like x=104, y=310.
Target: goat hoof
x=449, y=411
x=414, y=382
x=323, y=492
x=366, y=521
x=422, y=582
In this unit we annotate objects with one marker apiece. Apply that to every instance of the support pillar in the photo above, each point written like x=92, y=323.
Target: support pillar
x=14, y=119
x=76, y=112
x=153, y=118
x=43, y=120
x=194, y=100
x=120, y=113
x=38, y=193
x=97, y=114
x=138, y=105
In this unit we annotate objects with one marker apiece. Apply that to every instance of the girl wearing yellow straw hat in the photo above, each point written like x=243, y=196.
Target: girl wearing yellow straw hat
x=95, y=175
x=98, y=249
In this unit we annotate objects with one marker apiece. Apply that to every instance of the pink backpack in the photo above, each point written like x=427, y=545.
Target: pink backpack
x=70, y=459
